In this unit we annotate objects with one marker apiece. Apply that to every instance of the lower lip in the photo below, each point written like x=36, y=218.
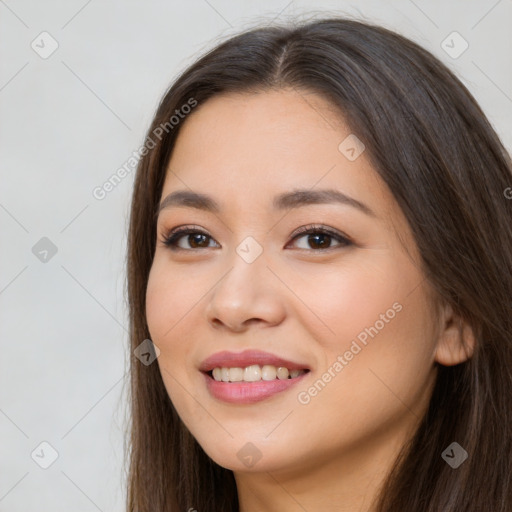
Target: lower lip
x=248, y=392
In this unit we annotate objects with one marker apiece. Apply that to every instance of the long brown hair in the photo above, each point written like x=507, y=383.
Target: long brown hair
x=434, y=148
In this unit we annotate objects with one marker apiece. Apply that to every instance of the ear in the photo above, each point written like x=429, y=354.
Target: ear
x=456, y=342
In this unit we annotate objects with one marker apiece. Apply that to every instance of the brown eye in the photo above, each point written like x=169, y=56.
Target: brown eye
x=319, y=241
x=196, y=239
x=320, y=238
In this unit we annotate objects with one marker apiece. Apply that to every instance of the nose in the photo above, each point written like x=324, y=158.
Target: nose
x=249, y=293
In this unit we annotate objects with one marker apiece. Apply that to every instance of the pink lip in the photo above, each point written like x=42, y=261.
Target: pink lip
x=246, y=358
x=248, y=392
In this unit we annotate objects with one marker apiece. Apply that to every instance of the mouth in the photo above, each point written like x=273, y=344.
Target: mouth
x=249, y=376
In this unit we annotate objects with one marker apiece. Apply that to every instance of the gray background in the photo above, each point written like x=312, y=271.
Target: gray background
x=68, y=122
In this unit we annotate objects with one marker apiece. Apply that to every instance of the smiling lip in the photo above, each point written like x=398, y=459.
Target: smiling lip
x=247, y=392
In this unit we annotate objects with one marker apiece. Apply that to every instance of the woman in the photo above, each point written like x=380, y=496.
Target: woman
x=320, y=250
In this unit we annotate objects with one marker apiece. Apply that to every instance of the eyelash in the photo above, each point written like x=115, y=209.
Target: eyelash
x=170, y=240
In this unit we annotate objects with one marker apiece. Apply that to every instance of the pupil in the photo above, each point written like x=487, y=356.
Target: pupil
x=323, y=239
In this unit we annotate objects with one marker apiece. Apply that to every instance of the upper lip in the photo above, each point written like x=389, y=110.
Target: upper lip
x=246, y=358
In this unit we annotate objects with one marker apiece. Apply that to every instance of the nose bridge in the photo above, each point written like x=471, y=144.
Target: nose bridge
x=250, y=250
x=247, y=266
x=245, y=291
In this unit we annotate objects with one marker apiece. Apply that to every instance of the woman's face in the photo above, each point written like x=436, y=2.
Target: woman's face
x=346, y=305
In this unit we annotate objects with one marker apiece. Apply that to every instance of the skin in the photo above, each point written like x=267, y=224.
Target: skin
x=295, y=300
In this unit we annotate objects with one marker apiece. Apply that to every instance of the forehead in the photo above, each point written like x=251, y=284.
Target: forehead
x=264, y=124
x=251, y=146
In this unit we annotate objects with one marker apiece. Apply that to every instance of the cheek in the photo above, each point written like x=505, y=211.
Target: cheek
x=169, y=298
x=349, y=298
x=368, y=386
x=375, y=315
x=170, y=295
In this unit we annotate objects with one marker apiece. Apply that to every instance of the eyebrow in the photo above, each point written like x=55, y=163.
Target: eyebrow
x=284, y=201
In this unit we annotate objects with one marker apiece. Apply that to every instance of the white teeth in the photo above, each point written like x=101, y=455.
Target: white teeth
x=236, y=374
x=282, y=373
x=254, y=373
x=268, y=372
